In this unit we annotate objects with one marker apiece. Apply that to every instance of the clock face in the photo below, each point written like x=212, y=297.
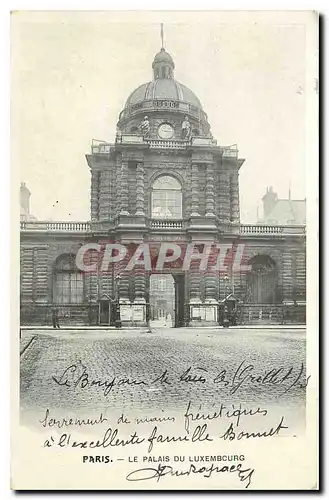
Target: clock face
x=165, y=131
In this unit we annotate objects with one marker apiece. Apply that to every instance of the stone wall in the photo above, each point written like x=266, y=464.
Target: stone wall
x=39, y=254
x=209, y=185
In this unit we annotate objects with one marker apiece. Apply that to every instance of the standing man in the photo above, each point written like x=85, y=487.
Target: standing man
x=55, y=318
x=226, y=321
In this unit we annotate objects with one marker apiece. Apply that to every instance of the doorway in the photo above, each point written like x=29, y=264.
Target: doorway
x=162, y=300
x=104, y=312
x=167, y=293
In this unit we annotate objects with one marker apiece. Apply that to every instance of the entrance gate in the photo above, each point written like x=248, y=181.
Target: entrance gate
x=167, y=297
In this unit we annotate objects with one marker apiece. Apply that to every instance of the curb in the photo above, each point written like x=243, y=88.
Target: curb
x=143, y=328
x=27, y=345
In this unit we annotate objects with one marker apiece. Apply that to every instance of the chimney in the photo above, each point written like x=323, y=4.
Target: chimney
x=25, y=198
x=269, y=201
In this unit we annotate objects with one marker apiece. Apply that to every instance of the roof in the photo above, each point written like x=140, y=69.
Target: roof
x=287, y=212
x=232, y=297
x=163, y=56
x=163, y=88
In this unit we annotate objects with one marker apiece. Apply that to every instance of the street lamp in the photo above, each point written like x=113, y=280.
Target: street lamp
x=226, y=279
x=148, y=311
x=117, y=302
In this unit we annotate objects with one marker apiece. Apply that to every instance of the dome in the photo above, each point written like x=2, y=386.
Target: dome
x=163, y=88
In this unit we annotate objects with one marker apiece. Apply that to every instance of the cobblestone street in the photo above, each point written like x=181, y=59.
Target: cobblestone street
x=162, y=370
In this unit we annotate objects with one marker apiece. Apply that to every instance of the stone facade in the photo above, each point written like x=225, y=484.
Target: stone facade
x=162, y=136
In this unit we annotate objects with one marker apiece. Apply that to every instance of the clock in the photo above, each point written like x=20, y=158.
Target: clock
x=165, y=131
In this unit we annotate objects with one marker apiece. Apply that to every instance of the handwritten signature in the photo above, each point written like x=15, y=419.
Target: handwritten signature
x=244, y=475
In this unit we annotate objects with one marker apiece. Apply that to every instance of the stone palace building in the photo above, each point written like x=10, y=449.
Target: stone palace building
x=165, y=179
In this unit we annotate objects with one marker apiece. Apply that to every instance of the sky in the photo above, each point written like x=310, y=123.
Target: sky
x=72, y=73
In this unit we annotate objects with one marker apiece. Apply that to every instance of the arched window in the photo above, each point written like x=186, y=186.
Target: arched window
x=166, y=198
x=68, y=281
x=195, y=132
x=134, y=130
x=262, y=280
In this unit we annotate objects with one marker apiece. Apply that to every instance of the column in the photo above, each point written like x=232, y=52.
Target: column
x=139, y=284
x=91, y=277
x=294, y=274
x=212, y=285
x=124, y=191
x=140, y=189
x=224, y=197
x=116, y=185
x=235, y=207
x=188, y=191
x=301, y=275
x=195, y=190
x=122, y=291
x=94, y=194
x=124, y=281
x=105, y=278
x=139, y=305
x=211, y=289
x=104, y=195
x=287, y=281
x=41, y=273
x=27, y=274
x=210, y=191
x=195, y=276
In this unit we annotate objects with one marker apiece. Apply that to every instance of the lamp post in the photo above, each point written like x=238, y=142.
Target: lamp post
x=226, y=279
x=225, y=309
x=148, y=311
x=117, y=302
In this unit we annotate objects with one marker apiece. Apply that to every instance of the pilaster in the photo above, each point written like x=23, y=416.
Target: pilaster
x=94, y=195
x=195, y=191
x=210, y=191
x=124, y=188
x=287, y=281
x=140, y=189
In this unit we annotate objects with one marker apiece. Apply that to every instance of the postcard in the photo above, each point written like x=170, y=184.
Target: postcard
x=165, y=261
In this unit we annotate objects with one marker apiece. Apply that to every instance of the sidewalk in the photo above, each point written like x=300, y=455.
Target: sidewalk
x=35, y=328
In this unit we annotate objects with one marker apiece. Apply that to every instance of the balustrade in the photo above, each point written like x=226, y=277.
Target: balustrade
x=166, y=224
x=163, y=144
x=55, y=226
x=260, y=229
x=85, y=226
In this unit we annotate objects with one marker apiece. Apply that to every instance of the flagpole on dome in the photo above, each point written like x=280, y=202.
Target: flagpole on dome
x=161, y=35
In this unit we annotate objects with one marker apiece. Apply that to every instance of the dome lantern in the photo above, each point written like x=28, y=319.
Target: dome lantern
x=163, y=65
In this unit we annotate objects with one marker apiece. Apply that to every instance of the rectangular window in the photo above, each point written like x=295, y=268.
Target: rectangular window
x=167, y=204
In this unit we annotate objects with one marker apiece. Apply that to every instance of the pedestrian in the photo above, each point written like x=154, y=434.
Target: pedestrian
x=226, y=322
x=234, y=317
x=55, y=318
